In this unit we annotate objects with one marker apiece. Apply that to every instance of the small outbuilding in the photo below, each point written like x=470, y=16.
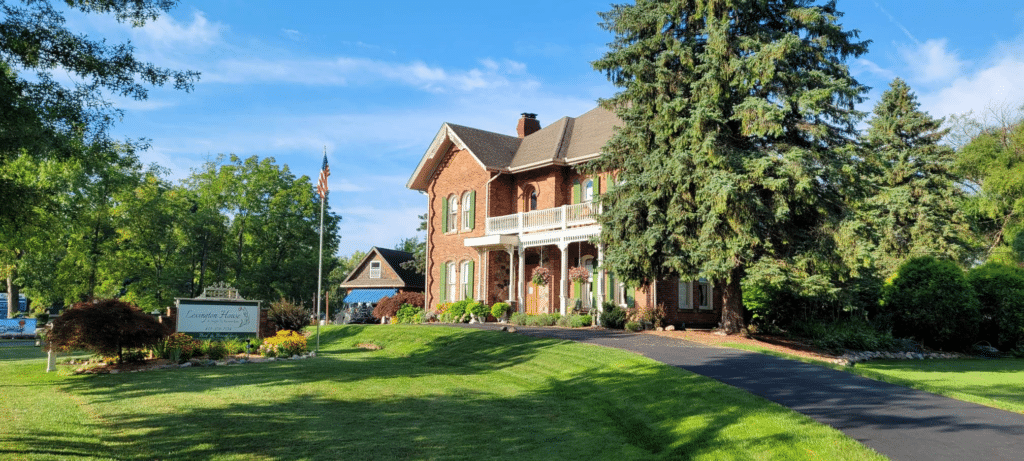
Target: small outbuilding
x=380, y=274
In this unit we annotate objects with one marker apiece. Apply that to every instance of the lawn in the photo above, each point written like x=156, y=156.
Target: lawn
x=429, y=393
x=997, y=383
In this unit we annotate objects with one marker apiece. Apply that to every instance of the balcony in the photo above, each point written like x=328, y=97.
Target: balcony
x=562, y=217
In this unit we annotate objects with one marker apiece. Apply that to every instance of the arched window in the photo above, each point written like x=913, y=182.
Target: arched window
x=453, y=214
x=467, y=210
x=533, y=200
x=588, y=190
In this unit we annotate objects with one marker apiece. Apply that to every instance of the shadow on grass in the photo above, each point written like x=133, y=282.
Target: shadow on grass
x=649, y=412
x=448, y=352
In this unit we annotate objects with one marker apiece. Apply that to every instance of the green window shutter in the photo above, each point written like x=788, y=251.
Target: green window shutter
x=575, y=192
x=472, y=209
x=471, y=280
x=596, y=280
x=444, y=282
x=630, y=295
x=597, y=186
x=444, y=215
x=576, y=287
x=610, y=291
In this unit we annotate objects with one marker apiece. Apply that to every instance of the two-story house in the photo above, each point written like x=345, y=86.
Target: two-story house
x=500, y=206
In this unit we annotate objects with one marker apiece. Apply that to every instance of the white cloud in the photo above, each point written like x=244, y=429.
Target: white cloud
x=1001, y=82
x=350, y=71
x=293, y=34
x=166, y=32
x=931, y=62
x=861, y=66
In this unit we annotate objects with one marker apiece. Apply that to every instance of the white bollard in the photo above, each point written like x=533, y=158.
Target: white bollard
x=51, y=361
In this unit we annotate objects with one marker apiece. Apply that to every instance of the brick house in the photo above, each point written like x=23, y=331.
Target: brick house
x=499, y=207
x=379, y=274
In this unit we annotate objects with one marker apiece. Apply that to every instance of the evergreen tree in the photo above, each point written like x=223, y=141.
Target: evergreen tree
x=732, y=157
x=912, y=202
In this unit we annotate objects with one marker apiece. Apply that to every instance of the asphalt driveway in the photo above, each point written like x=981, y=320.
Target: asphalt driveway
x=903, y=424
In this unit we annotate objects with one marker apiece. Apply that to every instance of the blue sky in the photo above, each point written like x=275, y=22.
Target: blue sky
x=374, y=81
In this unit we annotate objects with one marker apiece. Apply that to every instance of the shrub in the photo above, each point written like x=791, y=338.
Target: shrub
x=215, y=350
x=931, y=301
x=633, y=326
x=234, y=346
x=498, y=310
x=580, y=321
x=456, y=312
x=652, y=315
x=518, y=318
x=409, y=314
x=479, y=309
x=389, y=306
x=106, y=326
x=181, y=347
x=288, y=316
x=613, y=316
x=1000, y=292
x=285, y=343
x=855, y=333
x=587, y=320
x=565, y=322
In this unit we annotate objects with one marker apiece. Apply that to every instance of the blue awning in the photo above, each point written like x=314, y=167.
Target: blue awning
x=368, y=295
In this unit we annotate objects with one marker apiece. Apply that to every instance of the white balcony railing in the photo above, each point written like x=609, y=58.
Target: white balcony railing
x=552, y=218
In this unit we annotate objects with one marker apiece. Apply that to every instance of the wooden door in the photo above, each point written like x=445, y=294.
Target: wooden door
x=532, y=298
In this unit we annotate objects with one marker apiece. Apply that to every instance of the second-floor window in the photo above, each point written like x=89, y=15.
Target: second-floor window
x=533, y=200
x=467, y=211
x=374, y=269
x=453, y=214
x=588, y=190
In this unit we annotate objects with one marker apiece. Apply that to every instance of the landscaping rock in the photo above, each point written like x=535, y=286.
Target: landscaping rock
x=312, y=354
x=115, y=371
x=185, y=365
x=659, y=329
x=670, y=328
x=512, y=329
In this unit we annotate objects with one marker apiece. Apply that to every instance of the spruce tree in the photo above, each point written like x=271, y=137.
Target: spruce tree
x=912, y=202
x=732, y=158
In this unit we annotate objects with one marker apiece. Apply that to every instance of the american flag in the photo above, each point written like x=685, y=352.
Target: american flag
x=321, y=186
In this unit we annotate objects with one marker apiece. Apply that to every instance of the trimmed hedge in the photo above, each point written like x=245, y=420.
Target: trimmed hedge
x=1000, y=291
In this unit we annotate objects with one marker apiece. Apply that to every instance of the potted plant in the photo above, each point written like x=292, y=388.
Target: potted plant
x=541, y=275
x=579, y=274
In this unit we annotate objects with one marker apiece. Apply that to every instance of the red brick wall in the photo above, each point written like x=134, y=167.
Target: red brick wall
x=457, y=173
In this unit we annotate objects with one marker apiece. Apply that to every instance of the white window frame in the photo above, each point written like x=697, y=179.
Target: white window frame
x=453, y=214
x=453, y=282
x=684, y=298
x=374, y=269
x=464, y=281
x=588, y=190
x=466, y=208
x=705, y=293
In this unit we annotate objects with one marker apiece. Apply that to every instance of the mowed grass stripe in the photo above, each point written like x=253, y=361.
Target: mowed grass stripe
x=435, y=393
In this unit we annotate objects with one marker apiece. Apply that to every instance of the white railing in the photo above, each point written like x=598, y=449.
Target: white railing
x=552, y=218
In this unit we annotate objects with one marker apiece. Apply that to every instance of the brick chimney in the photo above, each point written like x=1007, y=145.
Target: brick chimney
x=528, y=125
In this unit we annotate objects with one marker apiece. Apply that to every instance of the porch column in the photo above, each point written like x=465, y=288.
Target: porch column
x=563, y=284
x=522, y=276
x=481, y=275
x=600, y=280
x=511, y=274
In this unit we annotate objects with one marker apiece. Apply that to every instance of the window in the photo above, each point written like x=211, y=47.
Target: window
x=533, y=200
x=452, y=283
x=588, y=190
x=453, y=214
x=467, y=210
x=685, y=293
x=374, y=269
x=467, y=280
x=704, y=294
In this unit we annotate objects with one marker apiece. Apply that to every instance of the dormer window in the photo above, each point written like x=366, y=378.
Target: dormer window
x=374, y=269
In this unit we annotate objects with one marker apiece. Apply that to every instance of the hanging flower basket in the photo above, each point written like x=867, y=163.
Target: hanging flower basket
x=579, y=274
x=541, y=275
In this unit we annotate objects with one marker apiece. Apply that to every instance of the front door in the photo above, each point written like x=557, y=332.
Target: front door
x=532, y=297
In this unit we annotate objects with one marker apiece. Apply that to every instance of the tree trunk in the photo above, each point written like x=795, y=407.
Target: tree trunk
x=13, y=294
x=733, y=312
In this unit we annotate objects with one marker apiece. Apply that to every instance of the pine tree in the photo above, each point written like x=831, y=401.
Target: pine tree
x=912, y=205
x=732, y=157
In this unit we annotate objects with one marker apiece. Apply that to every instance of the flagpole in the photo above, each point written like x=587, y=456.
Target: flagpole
x=320, y=263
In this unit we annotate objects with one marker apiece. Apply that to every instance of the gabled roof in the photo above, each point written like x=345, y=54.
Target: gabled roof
x=569, y=140
x=394, y=260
